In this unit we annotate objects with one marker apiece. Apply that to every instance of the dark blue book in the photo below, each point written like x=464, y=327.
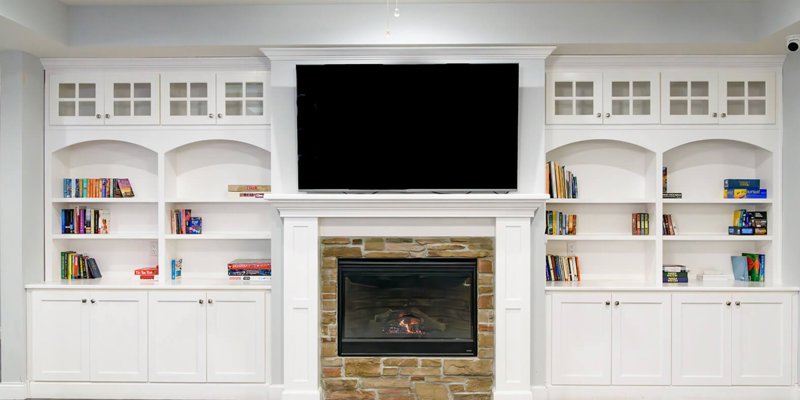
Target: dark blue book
x=742, y=183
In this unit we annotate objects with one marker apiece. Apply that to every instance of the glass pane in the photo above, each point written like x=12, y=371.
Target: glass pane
x=141, y=90
x=563, y=89
x=198, y=107
x=756, y=89
x=86, y=108
x=641, y=107
x=122, y=108
x=620, y=107
x=735, y=89
x=66, y=108
x=86, y=91
x=756, y=107
x=177, y=107
x=66, y=90
x=255, y=89
x=584, y=89
x=700, y=89
x=199, y=89
x=234, y=89
x=735, y=107
x=584, y=107
x=678, y=89
x=233, y=107
x=699, y=107
x=141, y=108
x=620, y=89
x=678, y=107
x=254, y=107
x=641, y=88
x=563, y=107
x=122, y=91
x=177, y=89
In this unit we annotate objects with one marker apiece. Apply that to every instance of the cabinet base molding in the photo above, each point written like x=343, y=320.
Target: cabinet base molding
x=512, y=395
x=300, y=395
x=13, y=391
x=178, y=391
x=669, y=392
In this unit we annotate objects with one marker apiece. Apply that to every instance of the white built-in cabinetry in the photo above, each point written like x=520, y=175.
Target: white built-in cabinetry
x=208, y=98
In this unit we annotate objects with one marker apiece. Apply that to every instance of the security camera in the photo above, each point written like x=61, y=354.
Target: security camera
x=793, y=43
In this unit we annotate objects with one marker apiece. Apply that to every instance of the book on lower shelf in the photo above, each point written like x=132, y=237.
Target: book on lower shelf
x=250, y=269
x=183, y=223
x=749, y=267
x=674, y=273
x=748, y=223
x=559, y=223
x=668, y=228
x=743, y=189
x=562, y=268
x=176, y=268
x=85, y=221
x=640, y=224
x=248, y=191
x=78, y=266
x=146, y=273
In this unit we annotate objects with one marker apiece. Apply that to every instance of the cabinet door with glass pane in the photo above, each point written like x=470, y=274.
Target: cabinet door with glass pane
x=188, y=98
x=76, y=99
x=242, y=98
x=132, y=99
x=631, y=98
x=747, y=97
x=574, y=98
x=689, y=98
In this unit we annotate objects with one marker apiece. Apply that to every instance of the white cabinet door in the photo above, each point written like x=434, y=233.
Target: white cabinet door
x=581, y=339
x=631, y=98
x=762, y=343
x=574, y=98
x=76, y=99
x=236, y=336
x=701, y=339
x=177, y=333
x=189, y=98
x=242, y=98
x=641, y=344
x=689, y=98
x=118, y=326
x=60, y=335
x=747, y=97
x=132, y=99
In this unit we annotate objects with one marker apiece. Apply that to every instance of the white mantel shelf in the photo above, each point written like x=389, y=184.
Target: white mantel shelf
x=407, y=205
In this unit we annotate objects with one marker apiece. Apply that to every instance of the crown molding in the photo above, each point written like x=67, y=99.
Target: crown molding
x=663, y=62
x=366, y=54
x=161, y=64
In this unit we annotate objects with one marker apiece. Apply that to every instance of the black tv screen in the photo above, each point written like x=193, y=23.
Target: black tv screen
x=426, y=128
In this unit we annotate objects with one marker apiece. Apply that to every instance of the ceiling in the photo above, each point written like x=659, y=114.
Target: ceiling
x=257, y=2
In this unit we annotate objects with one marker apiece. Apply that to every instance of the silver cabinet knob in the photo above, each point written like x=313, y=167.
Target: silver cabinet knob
x=599, y=115
x=219, y=115
x=210, y=301
x=98, y=116
x=93, y=301
x=608, y=303
x=608, y=115
x=83, y=301
x=714, y=115
x=724, y=115
x=616, y=303
x=200, y=301
x=108, y=116
x=728, y=303
x=738, y=303
x=210, y=115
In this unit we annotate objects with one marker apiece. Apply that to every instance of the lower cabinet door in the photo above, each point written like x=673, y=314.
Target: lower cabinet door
x=640, y=337
x=177, y=332
x=59, y=335
x=762, y=343
x=118, y=326
x=701, y=339
x=581, y=338
x=236, y=336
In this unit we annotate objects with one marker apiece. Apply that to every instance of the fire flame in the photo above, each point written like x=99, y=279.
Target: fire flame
x=411, y=325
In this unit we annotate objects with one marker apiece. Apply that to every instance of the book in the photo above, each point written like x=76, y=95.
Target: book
x=668, y=195
x=756, y=263
x=146, y=271
x=558, y=223
x=249, y=188
x=78, y=266
x=176, y=268
x=674, y=268
x=742, y=183
x=640, y=224
x=561, y=183
x=246, y=195
x=744, y=193
x=664, y=179
x=95, y=188
x=125, y=188
x=104, y=221
x=195, y=226
x=562, y=268
x=249, y=272
x=250, y=278
x=667, y=228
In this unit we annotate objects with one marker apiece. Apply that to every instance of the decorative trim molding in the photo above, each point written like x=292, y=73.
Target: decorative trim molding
x=161, y=64
x=13, y=391
x=665, y=62
x=179, y=391
x=365, y=54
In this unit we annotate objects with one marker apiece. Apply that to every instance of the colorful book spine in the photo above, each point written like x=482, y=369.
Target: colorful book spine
x=744, y=193
x=562, y=268
x=742, y=183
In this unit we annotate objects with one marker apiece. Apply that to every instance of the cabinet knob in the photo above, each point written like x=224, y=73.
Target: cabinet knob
x=724, y=115
x=83, y=300
x=608, y=303
x=599, y=115
x=93, y=301
x=738, y=303
x=608, y=115
x=728, y=303
x=714, y=115
x=98, y=116
x=108, y=116
x=210, y=115
x=200, y=301
x=219, y=115
x=616, y=303
x=210, y=301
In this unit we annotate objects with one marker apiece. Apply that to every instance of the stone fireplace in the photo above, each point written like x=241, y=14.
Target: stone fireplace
x=407, y=318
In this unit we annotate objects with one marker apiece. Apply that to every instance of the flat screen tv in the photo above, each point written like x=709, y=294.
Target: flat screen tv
x=416, y=128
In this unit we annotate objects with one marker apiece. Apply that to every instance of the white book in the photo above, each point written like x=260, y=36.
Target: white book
x=250, y=278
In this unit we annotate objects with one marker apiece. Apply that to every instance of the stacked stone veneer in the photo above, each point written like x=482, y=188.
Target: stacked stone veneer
x=407, y=378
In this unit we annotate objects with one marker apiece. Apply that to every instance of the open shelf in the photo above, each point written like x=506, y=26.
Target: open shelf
x=208, y=259
x=135, y=220
x=717, y=238
x=110, y=236
x=117, y=259
x=223, y=236
x=130, y=200
x=715, y=254
x=600, y=237
x=738, y=202
x=246, y=220
x=610, y=260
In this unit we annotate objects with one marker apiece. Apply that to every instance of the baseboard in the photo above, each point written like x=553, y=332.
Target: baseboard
x=276, y=392
x=301, y=394
x=147, y=391
x=512, y=395
x=13, y=391
x=539, y=392
x=673, y=392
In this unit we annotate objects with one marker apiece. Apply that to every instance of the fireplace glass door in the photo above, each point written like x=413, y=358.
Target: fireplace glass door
x=415, y=307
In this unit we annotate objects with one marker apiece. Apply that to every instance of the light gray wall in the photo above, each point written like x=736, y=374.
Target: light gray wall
x=21, y=200
x=791, y=163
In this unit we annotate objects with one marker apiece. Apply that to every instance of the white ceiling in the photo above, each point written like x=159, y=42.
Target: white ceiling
x=256, y=2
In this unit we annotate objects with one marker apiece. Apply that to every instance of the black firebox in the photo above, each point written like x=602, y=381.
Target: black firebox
x=408, y=307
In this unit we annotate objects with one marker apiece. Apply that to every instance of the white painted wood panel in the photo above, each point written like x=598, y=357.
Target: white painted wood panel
x=132, y=98
x=243, y=98
x=60, y=335
x=188, y=98
x=236, y=336
x=118, y=331
x=641, y=339
x=701, y=339
x=76, y=99
x=574, y=98
x=581, y=339
x=762, y=338
x=689, y=97
x=631, y=97
x=177, y=333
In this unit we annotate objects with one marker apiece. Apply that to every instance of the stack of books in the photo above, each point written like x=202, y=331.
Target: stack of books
x=640, y=224
x=665, y=193
x=97, y=188
x=146, y=273
x=561, y=184
x=562, y=268
x=668, y=228
x=78, y=266
x=743, y=189
x=748, y=223
x=250, y=270
x=83, y=221
x=559, y=223
x=183, y=223
x=674, y=273
x=248, y=191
